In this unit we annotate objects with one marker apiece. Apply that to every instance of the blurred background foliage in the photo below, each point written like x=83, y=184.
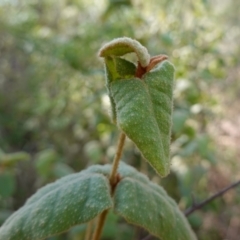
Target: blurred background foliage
x=54, y=110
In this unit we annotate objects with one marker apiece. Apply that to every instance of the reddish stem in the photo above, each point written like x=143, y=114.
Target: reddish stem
x=153, y=62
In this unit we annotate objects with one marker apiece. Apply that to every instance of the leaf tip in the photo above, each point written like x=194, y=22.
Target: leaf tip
x=124, y=45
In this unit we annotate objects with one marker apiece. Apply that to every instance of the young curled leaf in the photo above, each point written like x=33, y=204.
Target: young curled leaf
x=116, y=69
x=144, y=109
x=121, y=46
x=141, y=99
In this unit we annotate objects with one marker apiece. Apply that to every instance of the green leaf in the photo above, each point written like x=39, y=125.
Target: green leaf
x=72, y=200
x=144, y=109
x=79, y=197
x=147, y=205
x=117, y=68
x=121, y=46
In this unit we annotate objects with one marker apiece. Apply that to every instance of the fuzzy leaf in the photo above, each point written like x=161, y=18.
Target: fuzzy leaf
x=116, y=69
x=147, y=205
x=80, y=197
x=144, y=109
x=124, y=170
x=72, y=200
x=124, y=45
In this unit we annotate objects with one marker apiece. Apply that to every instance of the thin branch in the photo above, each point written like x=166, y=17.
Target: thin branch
x=208, y=200
x=89, y=230
x=203, y=203
x=100, y=224
x=117, y=158
x=112, y=180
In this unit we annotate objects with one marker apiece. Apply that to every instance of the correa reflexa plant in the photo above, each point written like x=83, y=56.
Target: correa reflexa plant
x=141, y=98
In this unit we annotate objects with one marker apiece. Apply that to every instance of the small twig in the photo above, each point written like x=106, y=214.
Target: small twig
x=116, y=160
x=100, y=223
x=89, y=231
x=112, y=180
x=203, y=203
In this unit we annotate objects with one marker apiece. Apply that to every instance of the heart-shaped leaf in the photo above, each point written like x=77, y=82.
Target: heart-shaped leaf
x=72, y=200
x=142, y=108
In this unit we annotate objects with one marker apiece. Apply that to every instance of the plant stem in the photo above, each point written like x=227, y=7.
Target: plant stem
x=89, y=231
x=203, y=203
x=112, y=180
x=100, y=223
x=116, y=160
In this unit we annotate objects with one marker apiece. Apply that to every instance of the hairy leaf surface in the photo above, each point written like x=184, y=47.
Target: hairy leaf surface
x=147, y=205
x=121, y=46
x=55, y=208
x=79, y=197
x=116, y=69
x=144, y=109
x=141, y=106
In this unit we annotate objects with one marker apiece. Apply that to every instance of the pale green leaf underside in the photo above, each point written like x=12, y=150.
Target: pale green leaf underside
x=72, y=200
x=124, y=45
x=144, y=109
x=147, y=205
x=116, y=69
x=78, y=198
